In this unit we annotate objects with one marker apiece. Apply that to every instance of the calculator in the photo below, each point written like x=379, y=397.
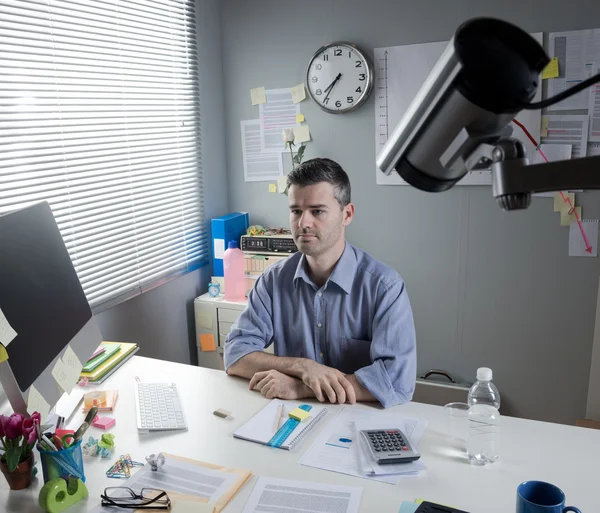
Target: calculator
x=389, y=446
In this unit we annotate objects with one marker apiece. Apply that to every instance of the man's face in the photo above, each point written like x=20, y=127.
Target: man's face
x=316, y=218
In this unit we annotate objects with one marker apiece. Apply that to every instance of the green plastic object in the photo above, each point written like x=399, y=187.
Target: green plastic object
x=57, y=495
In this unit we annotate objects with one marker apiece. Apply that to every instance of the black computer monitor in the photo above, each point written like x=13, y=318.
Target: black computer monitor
x=43, y=301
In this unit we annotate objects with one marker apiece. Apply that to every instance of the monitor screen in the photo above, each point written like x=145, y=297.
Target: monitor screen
x=40, y=294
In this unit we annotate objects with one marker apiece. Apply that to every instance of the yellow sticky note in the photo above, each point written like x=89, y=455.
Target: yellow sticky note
x=301, y=134
x=299, y=118
x=298, y=93
x=3, y=354
x=544, y=127
x=299, y=414
x=272, y=187
x=36, y=402
x=258, y=95
x=551, y=70
x=568, y=216
x=281, y=184
x=563, y=201
x=207, y=342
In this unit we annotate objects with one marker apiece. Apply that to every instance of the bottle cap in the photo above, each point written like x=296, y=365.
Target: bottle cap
x=232, y=244
x=484, y=374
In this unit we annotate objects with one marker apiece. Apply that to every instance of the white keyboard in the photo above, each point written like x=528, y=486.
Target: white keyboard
x=158, y=407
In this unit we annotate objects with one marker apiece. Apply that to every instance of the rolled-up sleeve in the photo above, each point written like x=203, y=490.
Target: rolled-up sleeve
x=392, y=375
x=253, y=329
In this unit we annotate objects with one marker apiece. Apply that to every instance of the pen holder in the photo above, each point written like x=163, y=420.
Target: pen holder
x=64, y=463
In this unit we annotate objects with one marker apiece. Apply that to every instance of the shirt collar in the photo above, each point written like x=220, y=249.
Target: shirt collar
x=342, y=275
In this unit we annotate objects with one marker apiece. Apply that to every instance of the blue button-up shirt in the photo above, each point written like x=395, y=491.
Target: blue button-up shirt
x=359, y=322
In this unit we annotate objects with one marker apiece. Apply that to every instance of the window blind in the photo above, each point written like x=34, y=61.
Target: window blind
x=99, y=116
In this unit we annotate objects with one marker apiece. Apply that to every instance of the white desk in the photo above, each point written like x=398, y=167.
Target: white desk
x=566, y=456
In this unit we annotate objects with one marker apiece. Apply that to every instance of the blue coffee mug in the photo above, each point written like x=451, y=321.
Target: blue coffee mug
x=540, y=497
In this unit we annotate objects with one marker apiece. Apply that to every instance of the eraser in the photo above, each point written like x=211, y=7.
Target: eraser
x=299, y=414
x=104, y=422
x=222, y=413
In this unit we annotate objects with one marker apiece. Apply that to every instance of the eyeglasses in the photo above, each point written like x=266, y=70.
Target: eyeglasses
x=123, y=497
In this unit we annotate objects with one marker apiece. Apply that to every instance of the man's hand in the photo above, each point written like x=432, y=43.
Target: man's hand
x=327, y=383
x=274, y=384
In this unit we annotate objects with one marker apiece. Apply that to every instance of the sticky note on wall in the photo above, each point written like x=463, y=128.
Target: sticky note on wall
x=551, y=70
x=207, y=342
x=272, y=187
x=258, y=95
x=568, y=216
x=298, y=93
x=301, y=134
x=563, y=201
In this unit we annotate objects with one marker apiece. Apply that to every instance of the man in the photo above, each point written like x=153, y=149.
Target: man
x=340, y=320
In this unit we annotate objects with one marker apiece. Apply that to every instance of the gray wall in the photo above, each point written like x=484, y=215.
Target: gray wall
x=162, y=320
x=487, y=287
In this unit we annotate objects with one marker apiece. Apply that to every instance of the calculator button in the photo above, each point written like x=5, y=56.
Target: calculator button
x=377, y=449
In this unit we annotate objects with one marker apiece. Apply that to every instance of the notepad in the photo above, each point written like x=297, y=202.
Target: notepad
x=263, y=426
x=109, y=350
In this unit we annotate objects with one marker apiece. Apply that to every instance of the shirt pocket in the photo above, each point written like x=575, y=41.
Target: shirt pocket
x=354, y=354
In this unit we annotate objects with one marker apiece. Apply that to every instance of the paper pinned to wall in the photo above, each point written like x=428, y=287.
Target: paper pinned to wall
x=577, y=52
x=258, y=166
x=278, y=113
x=36, y=402
x=577, y=244
x=282, y=184
x=258, y=95
x=593, y=149
x=594, y=110
x=7, y=333
x=568, y=129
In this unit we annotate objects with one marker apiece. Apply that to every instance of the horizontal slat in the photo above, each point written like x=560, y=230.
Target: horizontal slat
x=99, y=116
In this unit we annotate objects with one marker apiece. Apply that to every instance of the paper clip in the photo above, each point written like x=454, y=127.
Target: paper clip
x=121, y=469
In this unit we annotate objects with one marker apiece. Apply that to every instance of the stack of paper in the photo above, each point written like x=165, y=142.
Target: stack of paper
x=339, y=449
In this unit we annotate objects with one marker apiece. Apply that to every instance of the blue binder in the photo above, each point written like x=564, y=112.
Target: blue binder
x=226, y=228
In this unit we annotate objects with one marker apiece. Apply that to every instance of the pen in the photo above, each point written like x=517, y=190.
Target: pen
x=278, y=421
x=49, y=443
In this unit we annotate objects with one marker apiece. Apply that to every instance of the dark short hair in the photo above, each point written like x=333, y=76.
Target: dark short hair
x=314, y=171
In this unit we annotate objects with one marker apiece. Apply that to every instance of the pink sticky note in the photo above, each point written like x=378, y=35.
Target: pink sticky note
x=104, y=422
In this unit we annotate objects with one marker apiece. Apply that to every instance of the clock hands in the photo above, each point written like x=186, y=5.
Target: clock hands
x=330, y=87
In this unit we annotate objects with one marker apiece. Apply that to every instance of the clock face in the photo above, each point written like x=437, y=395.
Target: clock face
x=339, y=77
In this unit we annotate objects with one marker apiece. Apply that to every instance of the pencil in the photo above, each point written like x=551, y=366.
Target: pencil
x=278, y=421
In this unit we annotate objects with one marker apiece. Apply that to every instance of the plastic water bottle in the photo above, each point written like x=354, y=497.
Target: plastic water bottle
x=483, y=419
x=233, y=268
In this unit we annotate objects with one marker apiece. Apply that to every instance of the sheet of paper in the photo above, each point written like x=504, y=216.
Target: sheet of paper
x=7, y=334
x=219, y=248
x=301, y=134
x=66, y=377
x=298, y=93
x=186, y=478
x=276, y=495
x=399, y=74
x=281, y=184
x=594, y=110
x=577, y=244
x=328, y=452
x=570, y=215
x=593, y=149
x=36, y=402
x=568, y=129
x=578, y=53
x=551, y=70
x=563, y=201
x=71, y=360
x=554, y=153
x=258, y=166
x=278, y=113
x=258, y=95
